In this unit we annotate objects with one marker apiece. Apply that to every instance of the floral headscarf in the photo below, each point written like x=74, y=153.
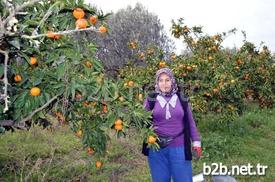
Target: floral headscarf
x=171, y=76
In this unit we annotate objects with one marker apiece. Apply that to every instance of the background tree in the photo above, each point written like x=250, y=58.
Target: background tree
x=132, y=30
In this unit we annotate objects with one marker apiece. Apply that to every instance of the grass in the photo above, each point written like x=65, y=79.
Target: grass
x=45, y=155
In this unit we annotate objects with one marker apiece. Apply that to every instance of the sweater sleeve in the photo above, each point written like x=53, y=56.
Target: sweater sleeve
x=194, y=134
x=146, y=104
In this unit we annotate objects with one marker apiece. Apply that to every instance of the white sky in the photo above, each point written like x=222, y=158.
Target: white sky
x=255, y=17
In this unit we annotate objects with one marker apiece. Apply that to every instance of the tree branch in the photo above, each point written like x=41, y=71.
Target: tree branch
x=21, y=123
x=60, y=33
x=5, y=80
x=6, y=122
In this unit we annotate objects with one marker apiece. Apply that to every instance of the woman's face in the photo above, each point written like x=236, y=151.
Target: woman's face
x=165, y=83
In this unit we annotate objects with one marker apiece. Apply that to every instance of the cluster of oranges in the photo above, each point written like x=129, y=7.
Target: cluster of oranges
x=34, y=91
x=82, y=23
x=90, y=151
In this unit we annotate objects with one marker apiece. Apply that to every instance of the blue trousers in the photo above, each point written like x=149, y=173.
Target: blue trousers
x=169, y=162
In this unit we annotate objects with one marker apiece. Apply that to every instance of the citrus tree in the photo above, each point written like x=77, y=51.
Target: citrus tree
x=217, y=80
x=47, y=74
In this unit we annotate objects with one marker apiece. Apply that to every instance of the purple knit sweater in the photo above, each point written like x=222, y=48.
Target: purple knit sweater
x=174, y=125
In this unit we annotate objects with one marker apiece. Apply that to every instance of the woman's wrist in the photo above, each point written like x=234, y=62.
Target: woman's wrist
x=196, y=144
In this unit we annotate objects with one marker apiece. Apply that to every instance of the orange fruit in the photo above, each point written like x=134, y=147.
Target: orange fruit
x=79, y=133
x=88, y=64
x=184, y=75
x=239, y=62
x=17, y=78
x=81, y=23
x=105, y=109
x=151, y=139
x=189, y=68
x=162, y=64
x=57, y=36
x=150, y=51
x=78, y=13
x=90, y=151
x=118, y=127
x=118, y=122
x=131, y=83
x=35, y=91
x=141, y=55
x=58, y=114
x=216, y=90
x=133, y=45
x=207, y=94
x=214, y=48
x=98, y=164
x=33, y=61
x=85, y=103
x=93, y=19
x=102, y=29
x=210, y=58
x=52, y=35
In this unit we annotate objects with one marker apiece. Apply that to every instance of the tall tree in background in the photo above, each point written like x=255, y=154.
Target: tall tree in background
x=129, y=29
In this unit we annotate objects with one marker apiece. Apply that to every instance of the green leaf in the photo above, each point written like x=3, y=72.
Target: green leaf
x=20, y=101
x=1, y=70
x=61, y=71
x=15, y=42
x=41, y=115
x=36, y=81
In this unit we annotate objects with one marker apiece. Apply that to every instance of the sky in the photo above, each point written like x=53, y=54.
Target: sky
x=255, y=17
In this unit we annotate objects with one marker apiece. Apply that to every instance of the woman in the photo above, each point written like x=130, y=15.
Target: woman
x=172, y=117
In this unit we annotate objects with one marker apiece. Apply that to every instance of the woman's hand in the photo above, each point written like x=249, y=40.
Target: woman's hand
x=196, y=149
x=197, y=152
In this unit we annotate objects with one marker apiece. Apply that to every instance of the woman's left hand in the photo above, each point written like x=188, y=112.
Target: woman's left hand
x=197, y=152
